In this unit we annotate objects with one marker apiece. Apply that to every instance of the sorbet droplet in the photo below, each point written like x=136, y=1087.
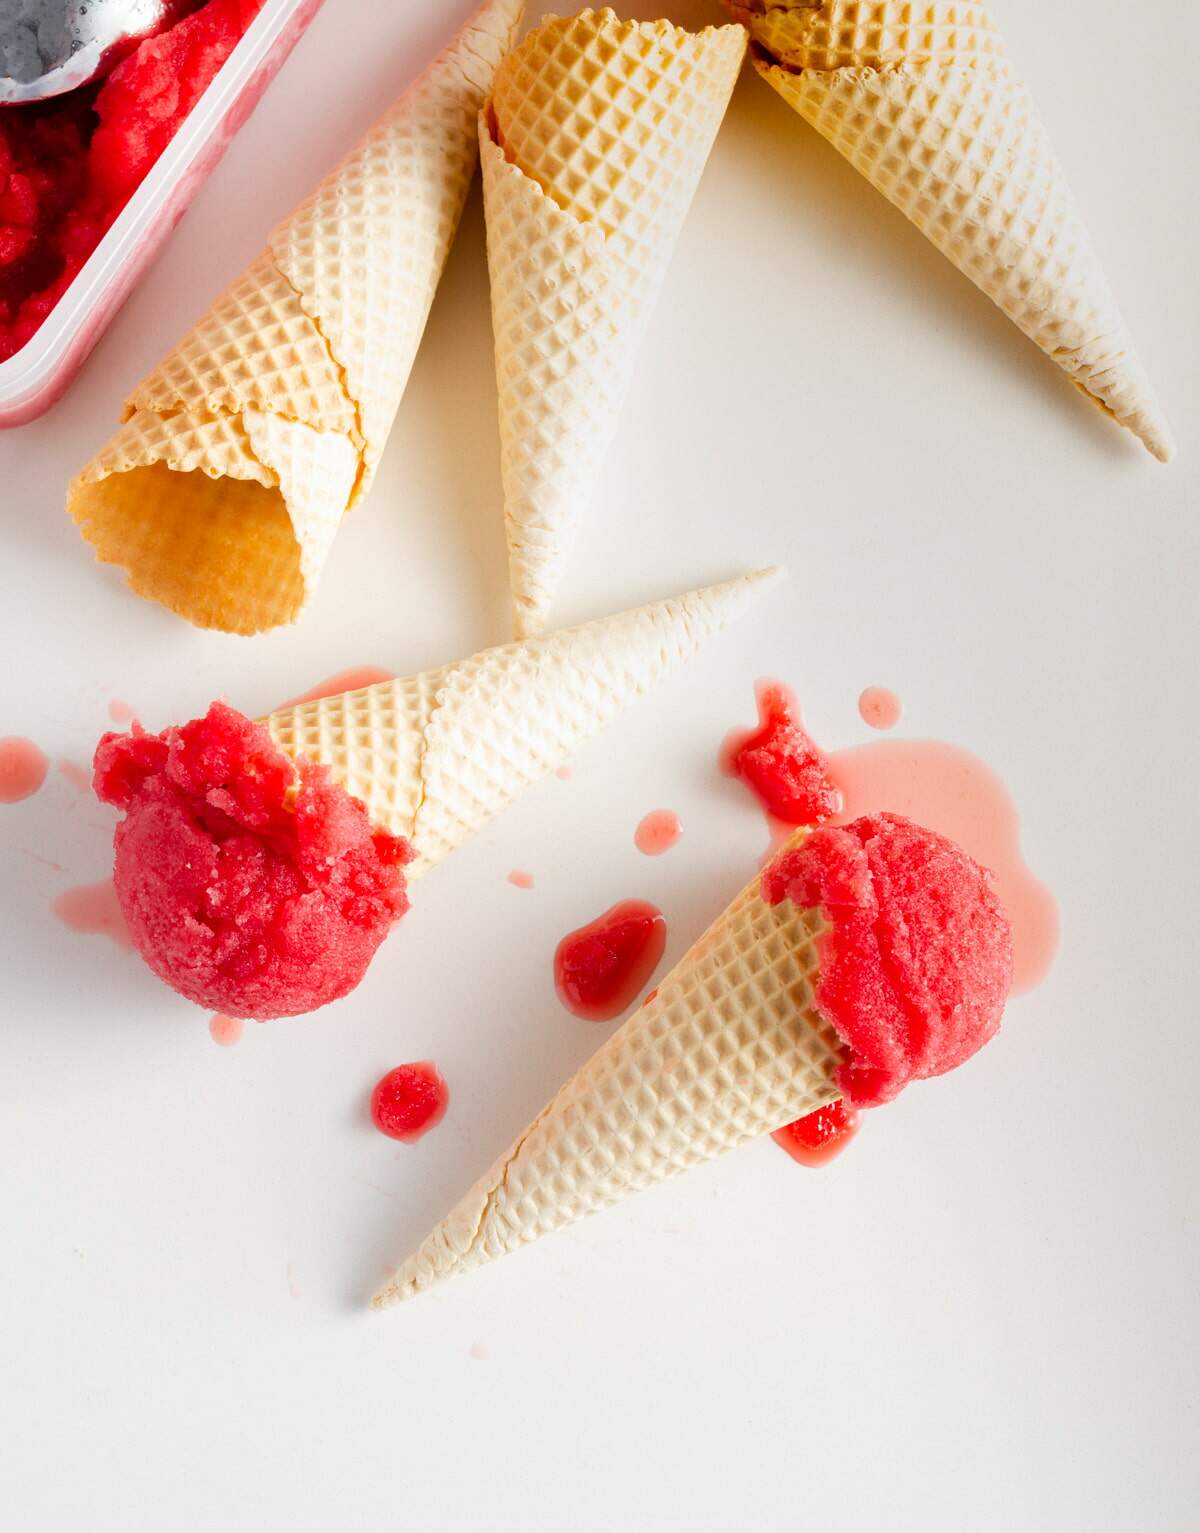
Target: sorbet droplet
x=657, y=832
x=879, y=708
x=22, y=769
x=225, y=1031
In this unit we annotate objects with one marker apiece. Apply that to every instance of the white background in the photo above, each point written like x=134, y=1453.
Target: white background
x=985, y=1316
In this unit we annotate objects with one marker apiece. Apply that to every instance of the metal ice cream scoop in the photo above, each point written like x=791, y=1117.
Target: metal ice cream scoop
x=51, y=46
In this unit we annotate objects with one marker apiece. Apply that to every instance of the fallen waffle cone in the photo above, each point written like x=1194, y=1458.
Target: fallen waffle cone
x=730, y=1047
x=222, y=492
x=591, y=148
x=921, y=98
x=435, y=756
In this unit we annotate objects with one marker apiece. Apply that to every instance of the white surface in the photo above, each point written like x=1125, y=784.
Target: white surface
x=986, y=1315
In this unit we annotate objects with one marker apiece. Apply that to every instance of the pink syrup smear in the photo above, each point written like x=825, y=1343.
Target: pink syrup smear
x=951, y=791
x=225, y=1030
x=599, y=968
x=93, y=908
x=563, y=773
x=479, y=1351
x=879, y=708
x=519, y=879
x=79, y=777
x=46, y=862
x=353, y=680
x=22, y=769
x=120, y=712
x=657, y=832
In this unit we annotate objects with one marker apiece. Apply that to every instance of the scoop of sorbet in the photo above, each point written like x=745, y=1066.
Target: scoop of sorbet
x=253, y=885
x=917, y=962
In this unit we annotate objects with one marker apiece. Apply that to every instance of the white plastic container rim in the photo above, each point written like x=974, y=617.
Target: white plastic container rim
x=24, y=375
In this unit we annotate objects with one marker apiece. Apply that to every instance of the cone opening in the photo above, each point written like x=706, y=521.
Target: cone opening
x=220, y=552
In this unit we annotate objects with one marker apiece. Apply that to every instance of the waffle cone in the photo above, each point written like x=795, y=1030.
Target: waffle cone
x=922, y=100
x=301, y=363
x=435, y=756
x=729, y=1047
x=592, y=146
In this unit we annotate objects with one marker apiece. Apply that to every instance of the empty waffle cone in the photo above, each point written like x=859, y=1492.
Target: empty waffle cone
x=223, y=490
x=435, y=756
x=921, y=98
x=730, y=1047
x=591, y=147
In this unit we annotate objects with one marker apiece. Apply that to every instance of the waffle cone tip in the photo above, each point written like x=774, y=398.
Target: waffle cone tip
x=925, y=103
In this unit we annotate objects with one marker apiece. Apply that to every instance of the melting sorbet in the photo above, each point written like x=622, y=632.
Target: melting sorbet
x=780, y=764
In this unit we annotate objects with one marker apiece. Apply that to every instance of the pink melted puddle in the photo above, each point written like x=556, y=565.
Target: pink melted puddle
x=657, y=832
x=120, y=712
x=954, y=792
x=479, y=1351
x=225, y=1031
x=353, y=680
x=879, y=708
x=79, y=777
x=22, y=769
x=520, y=879
x=93, y=909
x=563, y=773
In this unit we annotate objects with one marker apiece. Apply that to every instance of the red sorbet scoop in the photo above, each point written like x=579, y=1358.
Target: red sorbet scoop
x=254, y=885
x=917, y=964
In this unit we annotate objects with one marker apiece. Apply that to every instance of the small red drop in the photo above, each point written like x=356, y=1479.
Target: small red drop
x=409, y=1101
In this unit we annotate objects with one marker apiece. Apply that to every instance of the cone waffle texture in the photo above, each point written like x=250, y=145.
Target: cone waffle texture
x=591, y=147
x=435, y=756
x=222, y=492
x=921, y=98
x=730, y=1047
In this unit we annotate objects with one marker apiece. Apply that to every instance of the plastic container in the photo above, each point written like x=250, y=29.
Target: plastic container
x=32, y=379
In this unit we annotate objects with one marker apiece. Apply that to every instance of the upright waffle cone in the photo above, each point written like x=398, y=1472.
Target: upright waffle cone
x=435, y=756
x=223, y=490
x=730, y=1047
x=591, y=148
x=922, y=100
